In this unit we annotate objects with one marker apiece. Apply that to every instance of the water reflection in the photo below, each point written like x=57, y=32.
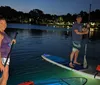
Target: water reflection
x=36, y=32
x=31, y=43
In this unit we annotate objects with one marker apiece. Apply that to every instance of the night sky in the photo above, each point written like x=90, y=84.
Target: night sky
x=58, y=7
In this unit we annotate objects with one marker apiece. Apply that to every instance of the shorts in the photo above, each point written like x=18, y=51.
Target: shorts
x=4, y=60
x=76, y=46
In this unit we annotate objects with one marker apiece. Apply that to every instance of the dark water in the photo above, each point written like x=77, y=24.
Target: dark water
x=26, y=61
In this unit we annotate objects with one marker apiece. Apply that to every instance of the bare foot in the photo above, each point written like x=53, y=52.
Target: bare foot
x=77, y=63
x=71, y=65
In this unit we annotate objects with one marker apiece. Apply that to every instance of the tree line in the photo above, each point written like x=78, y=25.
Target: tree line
x=37, y=16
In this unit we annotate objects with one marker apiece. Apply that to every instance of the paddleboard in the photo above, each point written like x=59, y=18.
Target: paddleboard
x=64, y=81
x=64, y=63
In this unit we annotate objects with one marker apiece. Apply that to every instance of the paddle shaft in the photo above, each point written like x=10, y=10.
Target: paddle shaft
x=10, y=50
x=85, y=62
x=96, y=74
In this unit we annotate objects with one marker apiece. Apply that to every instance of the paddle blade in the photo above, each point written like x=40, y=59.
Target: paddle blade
x=85, y=62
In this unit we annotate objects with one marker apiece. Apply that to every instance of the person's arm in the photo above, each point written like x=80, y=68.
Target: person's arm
x=81, y=33
x=84, y=29
x=1, y=66
x=77, y=31
x=1, y=37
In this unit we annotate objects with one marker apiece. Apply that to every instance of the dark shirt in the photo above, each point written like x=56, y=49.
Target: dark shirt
x=76, y=37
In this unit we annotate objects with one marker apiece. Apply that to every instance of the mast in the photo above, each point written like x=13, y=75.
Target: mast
x=89, y=17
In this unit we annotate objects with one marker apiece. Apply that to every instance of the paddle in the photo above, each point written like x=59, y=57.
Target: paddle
x=85, y=65
x=10, y=50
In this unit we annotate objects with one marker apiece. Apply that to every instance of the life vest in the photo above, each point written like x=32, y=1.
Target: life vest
x=27, y=83
x=98, y=68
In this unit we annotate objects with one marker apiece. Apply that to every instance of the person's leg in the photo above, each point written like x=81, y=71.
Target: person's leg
x=77, y=46
x=0, y=80
x=71, y=59
x=5, y=76
x=75, y=58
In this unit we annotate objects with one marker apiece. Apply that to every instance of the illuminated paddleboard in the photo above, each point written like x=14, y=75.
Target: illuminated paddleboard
x=64, y=81
x=63, y=63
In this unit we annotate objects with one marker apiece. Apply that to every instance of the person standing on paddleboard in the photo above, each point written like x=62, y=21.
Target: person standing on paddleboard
x=5, y=45
x=77, y=32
